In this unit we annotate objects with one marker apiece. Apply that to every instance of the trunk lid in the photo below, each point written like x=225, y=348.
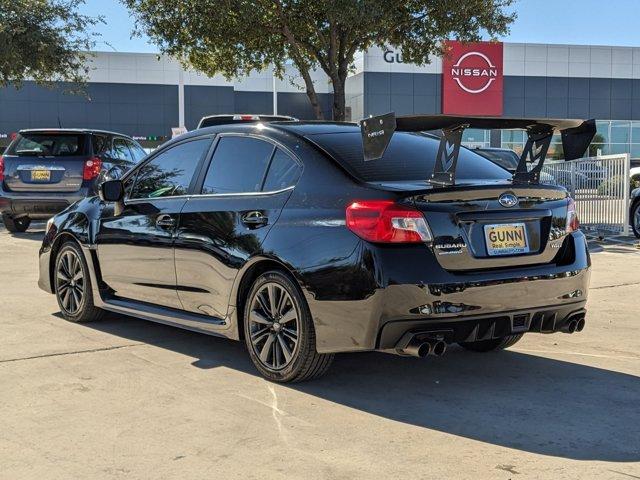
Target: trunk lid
x=473, y=229
x=46, y=162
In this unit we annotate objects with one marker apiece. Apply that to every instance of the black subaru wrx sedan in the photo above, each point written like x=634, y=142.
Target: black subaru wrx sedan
x=303, y=239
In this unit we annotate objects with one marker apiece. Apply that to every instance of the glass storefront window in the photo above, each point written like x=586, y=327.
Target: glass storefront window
x=476, y=137
x=620, y=132
x=619, y=148
x=602, y=134
x=635, y=132
x=513, y=136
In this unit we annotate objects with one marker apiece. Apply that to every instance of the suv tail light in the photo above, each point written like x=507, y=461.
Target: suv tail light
x=91, y=168
x=572, y=216
x=384, y=221
x=1, y=168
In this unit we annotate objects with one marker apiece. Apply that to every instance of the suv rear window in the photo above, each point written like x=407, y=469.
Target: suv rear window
x=409, y=157
x=48, y=145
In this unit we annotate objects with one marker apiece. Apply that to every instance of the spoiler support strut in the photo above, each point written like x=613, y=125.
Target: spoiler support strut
x=576, y=137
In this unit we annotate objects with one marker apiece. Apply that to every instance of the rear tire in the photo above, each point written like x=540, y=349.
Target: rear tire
x=279, y=332
x=635, y=219
x=493, y=344
x=73, y=285
x=15, y=225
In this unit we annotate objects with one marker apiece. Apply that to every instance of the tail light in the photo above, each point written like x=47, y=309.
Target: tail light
x=91, y=168
x=572, y=216
x=384, y=221
x=1, y=168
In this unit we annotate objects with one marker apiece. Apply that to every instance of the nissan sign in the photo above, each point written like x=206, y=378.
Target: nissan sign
x=472, y=79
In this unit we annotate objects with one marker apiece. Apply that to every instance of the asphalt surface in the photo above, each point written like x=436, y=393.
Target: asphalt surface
x=124, y=398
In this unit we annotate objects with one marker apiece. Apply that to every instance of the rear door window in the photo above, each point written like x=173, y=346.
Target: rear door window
x=283, y=172
x=136, y=150
x=171, y=171
x=48, y=145
x=99, y=143
x=238, y=165
x=121, y=150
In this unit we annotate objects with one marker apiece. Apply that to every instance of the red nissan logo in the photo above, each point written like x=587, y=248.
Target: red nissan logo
x=474, y=72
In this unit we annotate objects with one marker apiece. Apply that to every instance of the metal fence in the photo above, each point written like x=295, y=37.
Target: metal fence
x=600, y=187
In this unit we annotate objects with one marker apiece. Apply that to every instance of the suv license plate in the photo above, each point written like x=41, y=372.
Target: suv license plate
x=40, y=175
x=506, y=239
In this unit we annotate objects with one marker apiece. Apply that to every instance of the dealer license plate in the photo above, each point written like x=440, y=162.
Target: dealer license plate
x=40, y=175
x=506, y=239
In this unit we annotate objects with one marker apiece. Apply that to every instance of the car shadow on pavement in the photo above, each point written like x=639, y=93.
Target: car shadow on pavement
x=511, y=399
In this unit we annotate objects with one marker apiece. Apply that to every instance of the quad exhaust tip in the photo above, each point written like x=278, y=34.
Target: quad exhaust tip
x=573, y=325
x=422, y=349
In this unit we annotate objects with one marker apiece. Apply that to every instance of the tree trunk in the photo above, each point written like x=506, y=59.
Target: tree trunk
x=339, y=100
x=311, y=92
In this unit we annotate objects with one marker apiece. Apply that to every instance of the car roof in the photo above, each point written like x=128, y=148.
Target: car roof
x=72, y=130
x=317, y=127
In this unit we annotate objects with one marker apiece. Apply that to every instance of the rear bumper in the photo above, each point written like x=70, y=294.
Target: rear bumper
x=414, y=294
x=550, y=319
x=36, y=204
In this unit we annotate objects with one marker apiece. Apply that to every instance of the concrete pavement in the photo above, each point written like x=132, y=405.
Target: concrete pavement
x=124, y=398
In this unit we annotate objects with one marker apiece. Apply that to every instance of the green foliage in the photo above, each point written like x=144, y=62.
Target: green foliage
x=44, y=40
x=233, y=37
x=596, y=143
x=613, y=186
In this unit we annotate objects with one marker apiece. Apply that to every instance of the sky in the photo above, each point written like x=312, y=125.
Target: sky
x=576, y=22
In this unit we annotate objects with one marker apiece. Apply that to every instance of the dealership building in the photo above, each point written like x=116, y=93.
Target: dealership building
x=146, y=95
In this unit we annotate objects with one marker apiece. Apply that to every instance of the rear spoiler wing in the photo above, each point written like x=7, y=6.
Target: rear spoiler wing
x=576, y=137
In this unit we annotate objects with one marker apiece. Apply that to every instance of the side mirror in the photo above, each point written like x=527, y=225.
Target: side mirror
x=111, y=191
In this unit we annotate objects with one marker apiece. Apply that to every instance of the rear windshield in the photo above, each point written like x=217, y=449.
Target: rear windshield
x=48, y=145
x=505, y=158
x=409, y=157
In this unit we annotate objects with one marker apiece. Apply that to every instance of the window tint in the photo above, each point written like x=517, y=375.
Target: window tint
x=238, y=165
x=100, y=143
x=120, y=150
x=409, y=157
x=171, y=171
x=283, y=172
x=48, y=145
x=136, y=150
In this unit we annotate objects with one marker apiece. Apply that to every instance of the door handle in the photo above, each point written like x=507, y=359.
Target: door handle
x=165, y=221
x=254, y=219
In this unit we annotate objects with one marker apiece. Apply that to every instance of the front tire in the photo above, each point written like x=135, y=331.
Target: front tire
x=279, y=332
x=15, y=225
x=73, y=285
x=635, y=219
x=493, y=344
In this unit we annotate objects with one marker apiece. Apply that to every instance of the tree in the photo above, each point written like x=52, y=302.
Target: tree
x=44, y=40
x=233, y=37
x=596, y=144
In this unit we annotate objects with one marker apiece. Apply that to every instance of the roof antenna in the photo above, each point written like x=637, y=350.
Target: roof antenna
x=59, y=122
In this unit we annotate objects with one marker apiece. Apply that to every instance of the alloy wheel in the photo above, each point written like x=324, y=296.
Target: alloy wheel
x=274, y=326
x=636, y=218
x=70, y=285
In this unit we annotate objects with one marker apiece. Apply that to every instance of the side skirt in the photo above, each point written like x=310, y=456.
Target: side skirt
x=176, y=318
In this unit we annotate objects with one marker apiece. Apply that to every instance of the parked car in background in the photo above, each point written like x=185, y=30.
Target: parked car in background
x=508, y=159
x=634, y=214
x=44, y=171
x=635, y=176
x=225, y=119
